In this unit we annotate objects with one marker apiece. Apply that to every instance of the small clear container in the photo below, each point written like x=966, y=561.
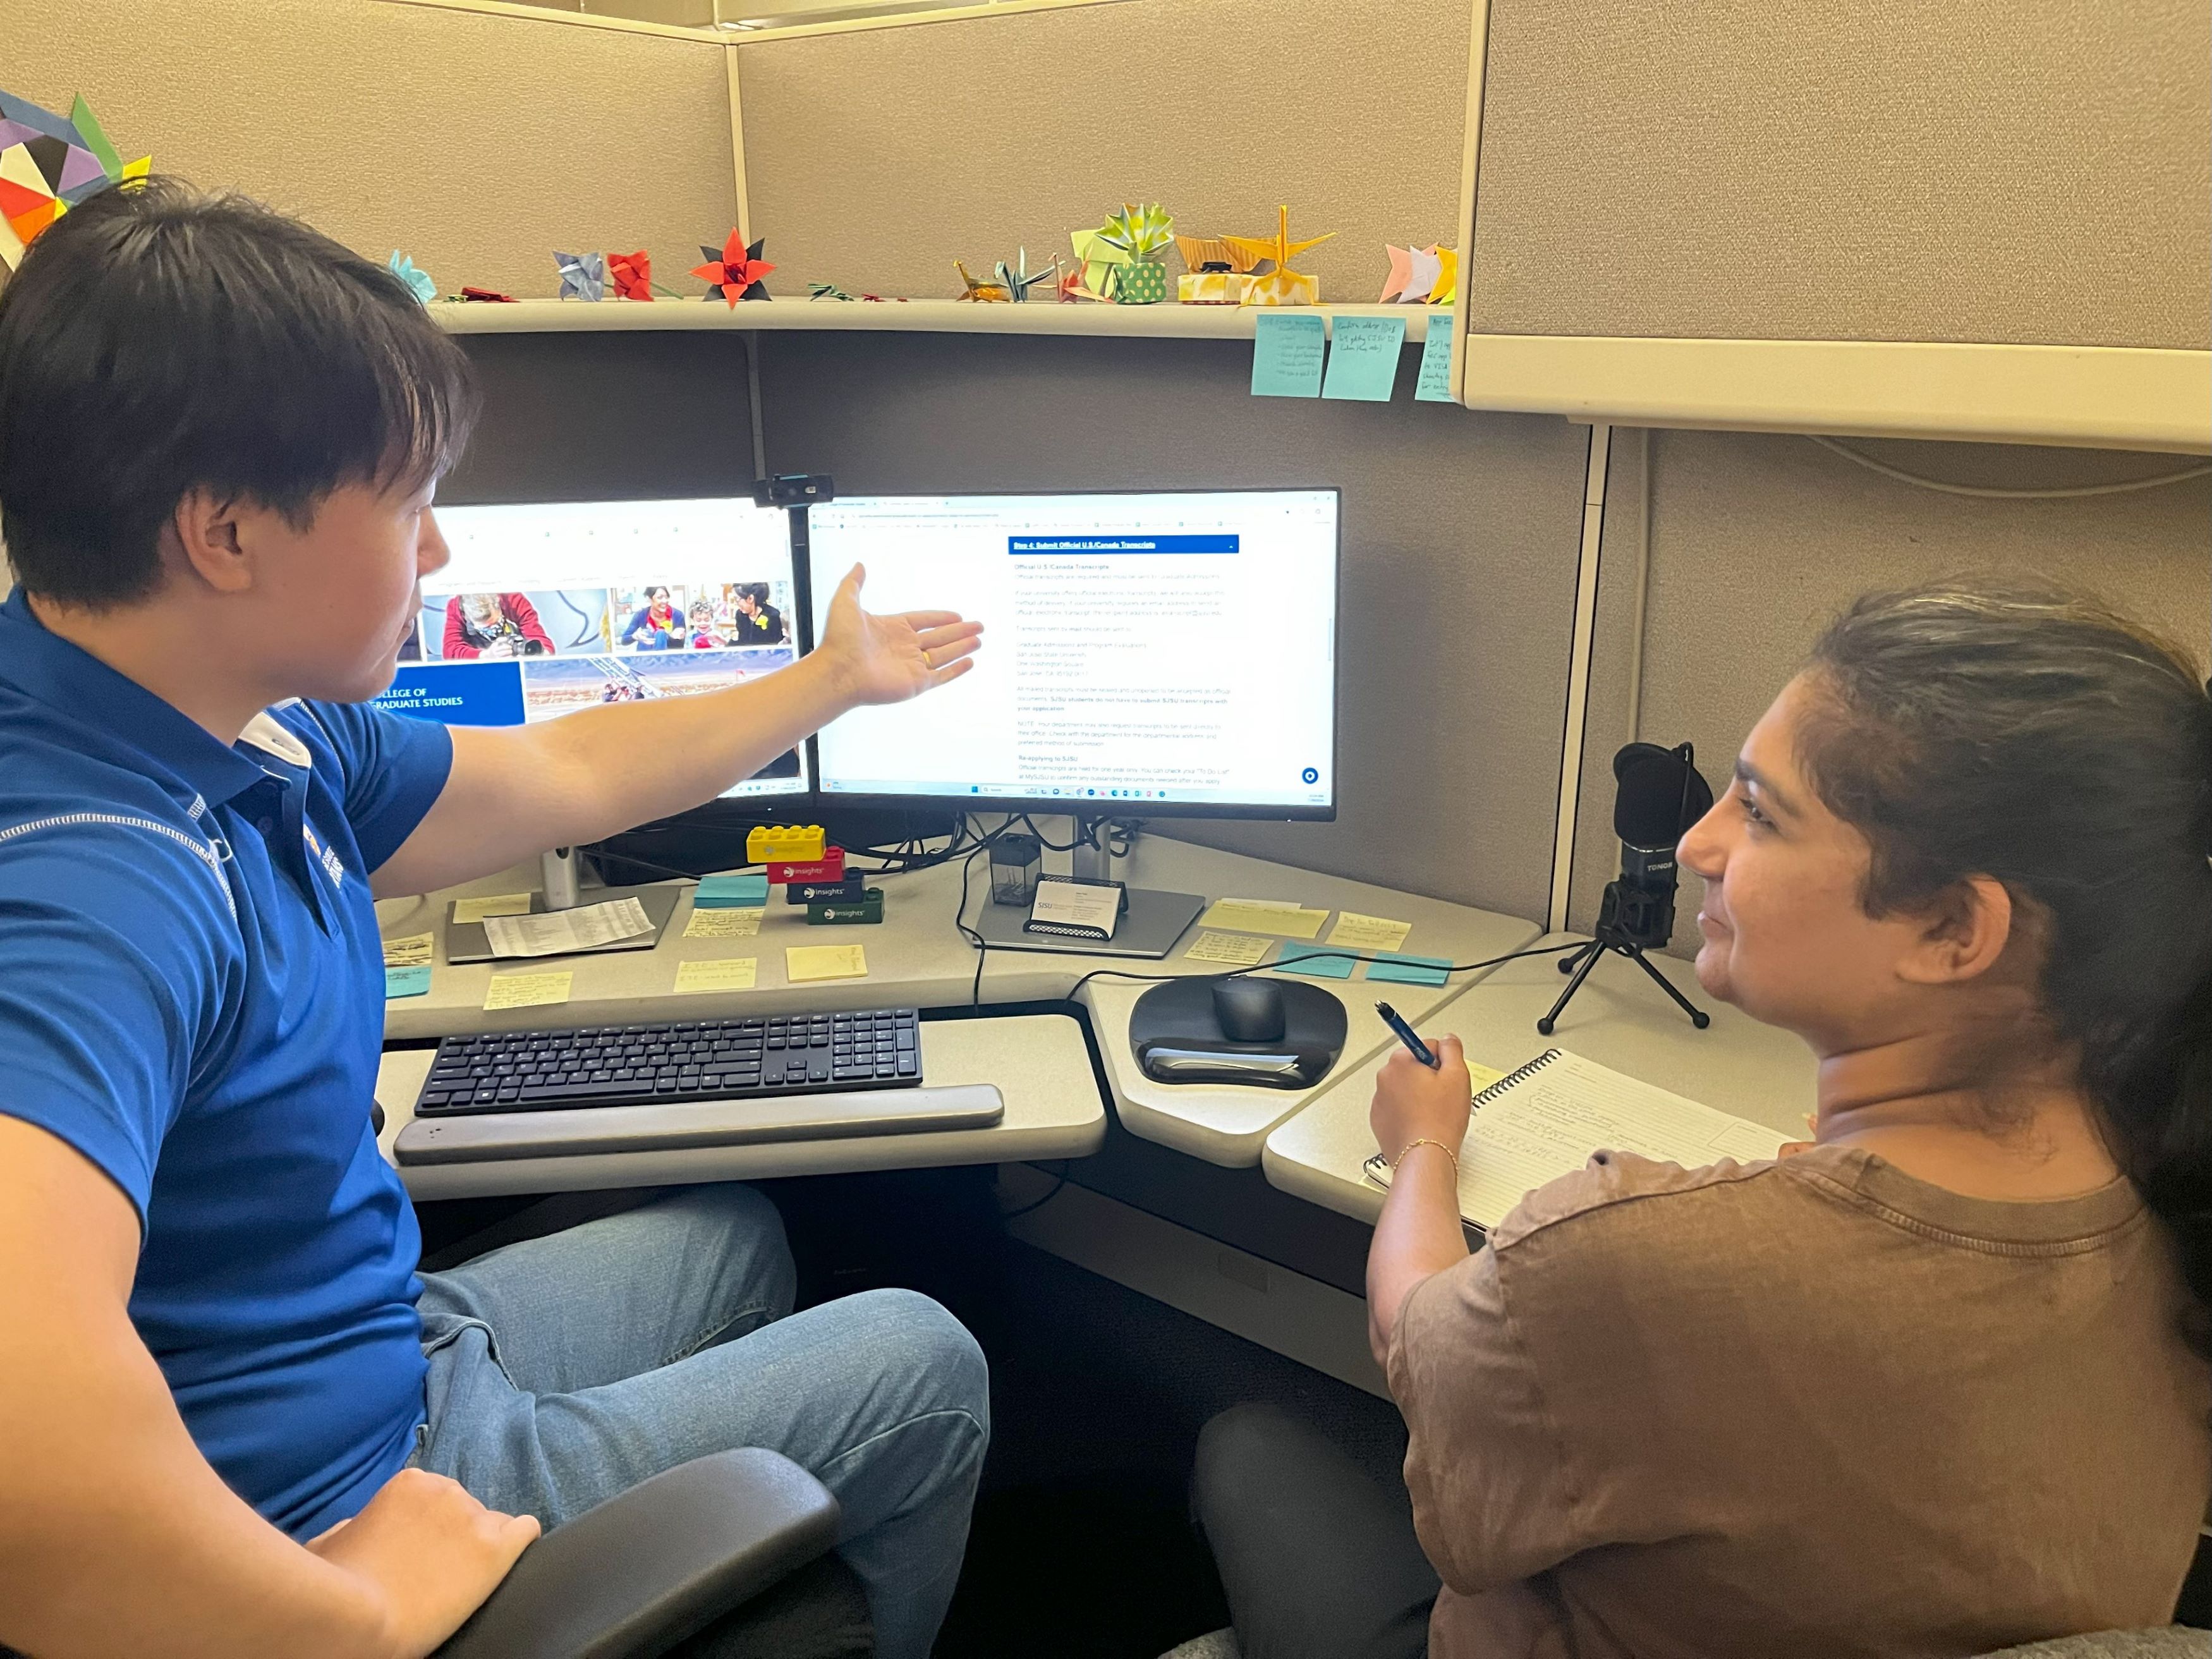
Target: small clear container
x=1016, y=862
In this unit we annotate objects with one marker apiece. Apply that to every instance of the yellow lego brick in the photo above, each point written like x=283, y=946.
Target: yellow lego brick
x=776, y=843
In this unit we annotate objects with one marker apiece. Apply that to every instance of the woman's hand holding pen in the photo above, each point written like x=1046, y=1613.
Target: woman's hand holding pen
x=1413, y=1102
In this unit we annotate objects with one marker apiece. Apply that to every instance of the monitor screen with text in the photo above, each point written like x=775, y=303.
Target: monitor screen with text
x=1170, y=653
x=548, y=607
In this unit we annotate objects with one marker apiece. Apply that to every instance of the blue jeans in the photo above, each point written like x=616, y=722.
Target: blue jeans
x=565, y=1370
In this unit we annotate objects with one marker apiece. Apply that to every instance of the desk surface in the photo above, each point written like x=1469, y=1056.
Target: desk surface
x=1618, y=1018
x=916, y=957
x=1039, y=1062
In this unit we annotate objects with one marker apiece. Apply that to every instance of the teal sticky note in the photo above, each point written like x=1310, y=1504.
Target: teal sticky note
x=1316, y=966
x=1363, y=359
x=731, y=893
x=1287, y=353
x=1408, y=971
x=406, y=983
x=1434, y=385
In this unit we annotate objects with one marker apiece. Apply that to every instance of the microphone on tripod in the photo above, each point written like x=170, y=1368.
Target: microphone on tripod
x=1659, y=796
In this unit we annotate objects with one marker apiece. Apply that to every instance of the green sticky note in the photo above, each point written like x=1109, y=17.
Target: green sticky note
x=1434, y=385
x=406, y=983
x=730, y=892
x=1321, y=966
x=1408, y=971
x=1287, y=353
x=1363, y=359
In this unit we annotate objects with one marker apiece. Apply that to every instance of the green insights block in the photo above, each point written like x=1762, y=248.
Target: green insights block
x=869, y=907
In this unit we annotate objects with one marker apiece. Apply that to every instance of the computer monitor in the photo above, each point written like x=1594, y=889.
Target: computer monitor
x=1158, y=655
x=548, y=607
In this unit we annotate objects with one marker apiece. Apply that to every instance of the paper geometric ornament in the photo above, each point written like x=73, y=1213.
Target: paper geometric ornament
x=48, y=164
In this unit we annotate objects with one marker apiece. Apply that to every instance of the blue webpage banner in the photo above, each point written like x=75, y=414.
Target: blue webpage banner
x=464, y=694
x=1129, y=544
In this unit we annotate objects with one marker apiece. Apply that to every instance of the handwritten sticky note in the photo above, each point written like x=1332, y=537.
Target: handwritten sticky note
x=723, y=924
x=1363, y=359
x=803, y=963
x=1408, y=971
x=496, y=904
x=1318, y=965
x=406, y=983
x=1230, y=949
x=735, y=973
x=413, y=952
x=1358, y=933
x=1434, y=385
x=1480, y=1076
x=1287, y=354
x=722, y=891
x=1264, y=916
x=528, y=990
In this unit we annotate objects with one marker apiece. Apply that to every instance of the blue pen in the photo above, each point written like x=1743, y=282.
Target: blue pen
x=1414, y=1046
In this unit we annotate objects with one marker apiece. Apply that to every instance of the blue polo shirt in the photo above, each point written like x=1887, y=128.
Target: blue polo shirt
x=191, y=994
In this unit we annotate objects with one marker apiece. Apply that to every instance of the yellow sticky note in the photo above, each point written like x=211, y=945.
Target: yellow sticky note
x=528, y=990
x=413, y=952
x=1482, y=1076
x=1369, y=933
x=1230, y=950
x=1264, y=916
x=494, y=904
x=730, y=974
x=723, y=924
x=803, y=963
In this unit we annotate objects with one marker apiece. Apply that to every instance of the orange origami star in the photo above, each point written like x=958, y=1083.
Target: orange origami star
x=736, y=275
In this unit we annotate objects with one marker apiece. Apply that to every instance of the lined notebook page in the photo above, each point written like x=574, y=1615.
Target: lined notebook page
x=1546, y=1118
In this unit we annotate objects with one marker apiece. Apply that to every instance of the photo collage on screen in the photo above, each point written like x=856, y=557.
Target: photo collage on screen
x=545, y=608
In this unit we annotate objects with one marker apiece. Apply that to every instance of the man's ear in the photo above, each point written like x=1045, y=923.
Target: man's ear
x=1966, y=931
x=206, y=538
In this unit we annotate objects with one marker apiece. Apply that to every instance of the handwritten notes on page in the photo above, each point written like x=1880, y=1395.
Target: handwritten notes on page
x=1363, y=359
x=528, y=990
x=1357, y=933
x=723, y=924
x=1229, y=949
x=732, y=973
x=1287, y=354
x=804, y=963
x=1434, y=385
x=406, y=983
x=413, y=952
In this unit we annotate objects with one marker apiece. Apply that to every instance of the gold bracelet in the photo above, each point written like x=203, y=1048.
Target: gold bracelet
x=1424, y=1141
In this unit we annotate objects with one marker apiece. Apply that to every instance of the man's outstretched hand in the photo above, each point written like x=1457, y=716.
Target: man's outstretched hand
x=891, y=659
x=428, y=1553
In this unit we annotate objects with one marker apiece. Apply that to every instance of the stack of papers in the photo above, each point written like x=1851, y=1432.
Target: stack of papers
x=731, y=893
x=1282, y=917
x=555, y=932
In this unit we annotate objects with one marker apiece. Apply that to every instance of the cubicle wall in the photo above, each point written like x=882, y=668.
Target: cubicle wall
x=476, y=143
x=875, y=159
x=1756, y=540
x=1460, y=537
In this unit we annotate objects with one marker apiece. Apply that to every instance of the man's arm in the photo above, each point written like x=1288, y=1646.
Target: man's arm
x=518, y=790
x=116, y=1538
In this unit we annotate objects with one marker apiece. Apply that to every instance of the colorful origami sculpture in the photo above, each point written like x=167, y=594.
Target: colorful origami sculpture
x=1421, y=276
x=1217, y=274
x=734, y=274
x=48, y=165
x=982, y=292
x=583, y=276
x=1018, y=281
x=417, y=279
x=1280, y=286
x=1121, y=258
x=632, y=274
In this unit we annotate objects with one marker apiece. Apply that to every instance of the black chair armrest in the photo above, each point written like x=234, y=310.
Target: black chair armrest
x=637, y=1574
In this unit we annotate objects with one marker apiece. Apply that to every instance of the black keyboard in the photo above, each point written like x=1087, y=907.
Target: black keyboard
x=674, y=1060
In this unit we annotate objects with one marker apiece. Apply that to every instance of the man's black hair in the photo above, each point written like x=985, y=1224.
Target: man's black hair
x=157, y=341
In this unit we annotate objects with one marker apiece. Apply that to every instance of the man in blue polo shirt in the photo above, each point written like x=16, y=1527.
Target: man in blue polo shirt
x=233, y=1419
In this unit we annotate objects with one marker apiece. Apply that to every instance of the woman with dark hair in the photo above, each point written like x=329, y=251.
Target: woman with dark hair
x=655, y=625
x=757, y=622
x=1934, y=1381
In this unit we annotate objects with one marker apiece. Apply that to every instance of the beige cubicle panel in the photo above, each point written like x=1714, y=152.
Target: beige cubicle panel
x=1460, y=540
x=1757, y=539
x=477, y=143
x=875, y=159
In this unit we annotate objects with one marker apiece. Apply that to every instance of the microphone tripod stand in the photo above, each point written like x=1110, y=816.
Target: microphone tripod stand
x=1626, y=927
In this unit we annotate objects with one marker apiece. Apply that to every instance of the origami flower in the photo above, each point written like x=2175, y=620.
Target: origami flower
x=416, y=278
x=633, y=275
x=583, y=276
x=736, y=273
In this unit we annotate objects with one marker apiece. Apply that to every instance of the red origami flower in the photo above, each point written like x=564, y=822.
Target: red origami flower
x=736, y=274
x=632, y=274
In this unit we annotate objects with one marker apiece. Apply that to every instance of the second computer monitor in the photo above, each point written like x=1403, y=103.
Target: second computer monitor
x=1157, y=654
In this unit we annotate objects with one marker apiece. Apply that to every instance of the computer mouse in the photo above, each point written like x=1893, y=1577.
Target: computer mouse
x=1248, y=1010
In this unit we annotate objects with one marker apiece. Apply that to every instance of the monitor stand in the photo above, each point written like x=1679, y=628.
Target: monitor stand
x=1148, y=929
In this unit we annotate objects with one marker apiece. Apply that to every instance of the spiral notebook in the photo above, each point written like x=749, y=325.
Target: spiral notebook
x=1544, y=1121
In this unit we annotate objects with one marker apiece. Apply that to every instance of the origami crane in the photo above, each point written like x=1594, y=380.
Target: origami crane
x=414, y=275
x=633, y=275
x=1421, y=276
x=983, y=292
x=48, y=165
x=1130, y=237
x=734, y=274
x=583, y=276
x=1282, y=286
x=1018, y=281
